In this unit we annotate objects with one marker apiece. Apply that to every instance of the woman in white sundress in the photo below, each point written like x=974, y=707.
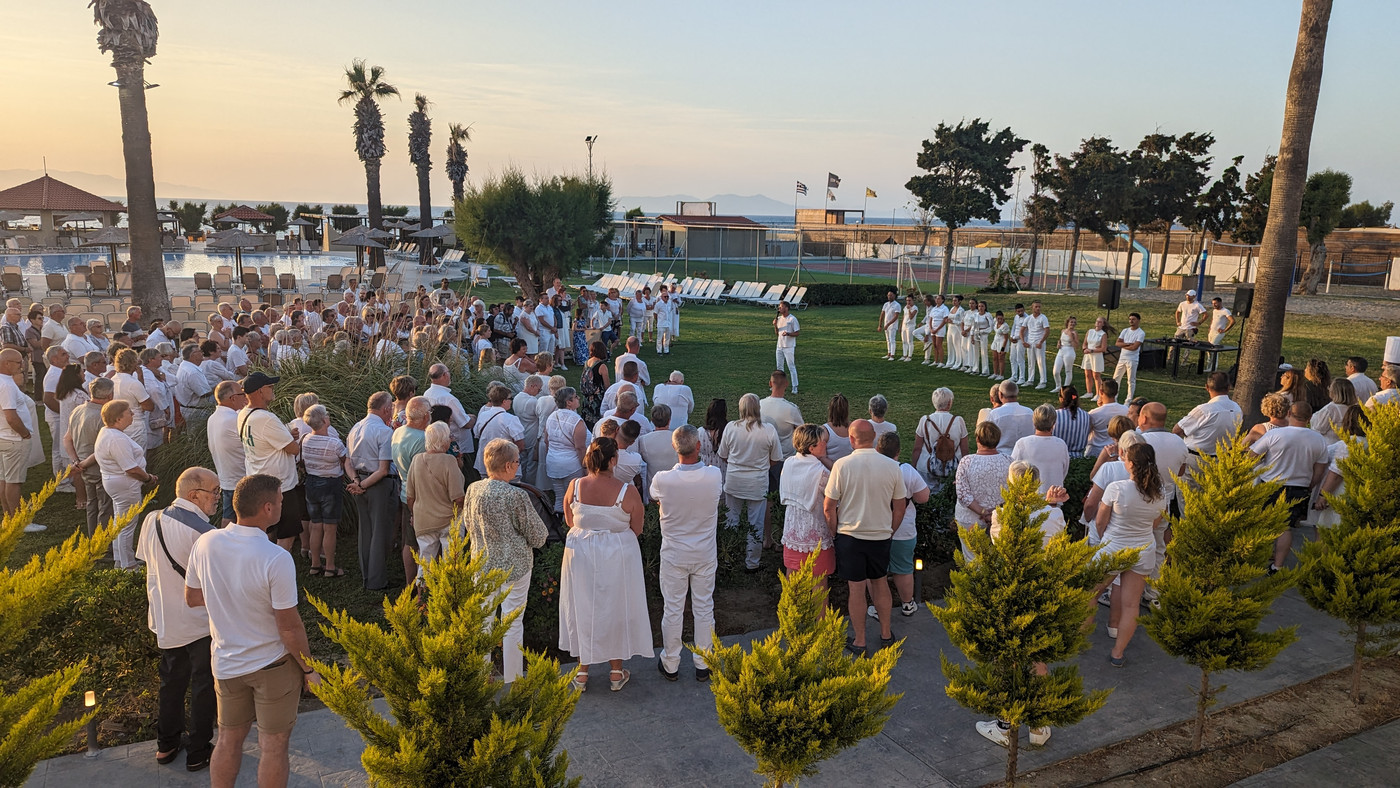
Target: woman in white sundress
x=1095, y=343
x=1001, y=333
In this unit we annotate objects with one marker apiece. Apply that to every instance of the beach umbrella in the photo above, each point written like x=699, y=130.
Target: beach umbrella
x=300, y=222
x=361, y=242
x=440, y=231
x=237, y=240
x=10, y=216
x=110, y=237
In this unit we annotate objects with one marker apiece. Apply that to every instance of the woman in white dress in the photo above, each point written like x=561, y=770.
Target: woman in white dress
x=566, y=440
x=979, y=480
x=127, y=388
x=838, y=428
x=930, y=431
x=602, y=597
x=123, y=464
x=1063, y=371
x=1095, y=342
x=1352, y=424
x=158, y=385
x=545, y=406
x=1001, y=333
x=527, y=327
x=519, y=365
x=1129, y=512
x=952, y=341
x=969, y=338
x=1328, y=419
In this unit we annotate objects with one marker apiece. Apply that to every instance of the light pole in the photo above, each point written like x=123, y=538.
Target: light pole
x=589, y=140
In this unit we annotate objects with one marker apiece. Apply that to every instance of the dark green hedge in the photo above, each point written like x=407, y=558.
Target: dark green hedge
x=837, y=294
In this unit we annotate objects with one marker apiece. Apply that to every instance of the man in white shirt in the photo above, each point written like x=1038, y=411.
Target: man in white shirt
x=237, y=358
x=1296, y=457
x=1129, y=343
x=628, y=409
x=1221, y=321
x=1037, y=328
x=1188, y=316
x=56, y=358
x=780, y=412
x=182, y=632
x=439, y=393
x=192, y=386
x=636, y=318
x=665, y=310
x=689, y=496
x=788, y=329
x=1017, y=346
x=1172, y=456
x=78, y=343
x=628, y=380
x=934, y=332
x=1356, y=372
x=55, y=328
x=270, y=449
x=1390, y=377
x=495, y=421
x=221, y=432
x=16, y=431
x=1100, y=417
x=249, y=587
x=1215, y=420
x=544, y=323
x=1013, y=419
x=169, y=331
x=370, y=449
x=526, y=409
x=1047, y=453
x=655, y=446
x=634, y=346
x=675, y=395
x=888, y=324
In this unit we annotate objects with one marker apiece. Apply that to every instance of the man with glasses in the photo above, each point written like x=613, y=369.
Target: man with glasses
x=224, y=444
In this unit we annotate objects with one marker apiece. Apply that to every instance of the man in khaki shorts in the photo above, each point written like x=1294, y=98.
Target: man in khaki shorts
x=248, y=586
x=16, y=430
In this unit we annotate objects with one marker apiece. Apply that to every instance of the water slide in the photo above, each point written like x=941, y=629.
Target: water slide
x=1146, y=260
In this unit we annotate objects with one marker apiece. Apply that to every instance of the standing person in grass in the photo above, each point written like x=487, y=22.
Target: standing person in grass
x=865, y=501
x=1095, y=343
x=407, y=443
x=221, y=433
x=905, y=536
x=888, y=323
x=1043, y=449
x=1128, y=516
x=805, y=530
x=83, y=427
x=434, y=486
x=908, y=320
x=1063, y=372
x=123, y=465
x=1129, y=343
x=327, y=463
x=370, y=443
x=787, y=329
x=1295, y=456
x=269, y=448
x=777, y=410
x=665, y=309
x=1037, y=328
x=749, y=447
x=934, y=330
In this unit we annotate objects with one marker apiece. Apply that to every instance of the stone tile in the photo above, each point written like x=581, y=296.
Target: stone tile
x=349, y=778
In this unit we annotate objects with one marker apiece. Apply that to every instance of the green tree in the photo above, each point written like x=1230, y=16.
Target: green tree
x=279, y=214
x=1215, y=591
x=1173, y=174
x=451, y=723
x=1352, y=571
x=420, y=139
x=1254, y=206
x=129, y=31
x=968, y=176
x=1042, y=214
x=1089, y=187
x=540, y=230
x=1017, y=604
x=1217, y=208
x=191, y=215
x=1324, y=197
x=365, y=88
x=398, y=211
x=1364, y=214
x=457, y=158
x=796, y=698
x=344, y=210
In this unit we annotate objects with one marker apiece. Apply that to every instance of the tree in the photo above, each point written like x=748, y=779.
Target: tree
x=457, y=158
x=1324, y=198
x=1018, y=603
x=969, y=174
x=1217, y=208
x=453, y=723
x=27, y=594
x=398, y=211
x=1089, y=187
x=1364, y=214
x=796, y=698
x=1352, y=570
x=1254, y=206
x=279, y=214
x=191, y=215
x=129, y=31
x=312, y=213
x=540, y=230
x=344, y=210
x=1042, y=214
x=1263, y=339
x=1215, y=591
x=420, y=138
x=366, y=86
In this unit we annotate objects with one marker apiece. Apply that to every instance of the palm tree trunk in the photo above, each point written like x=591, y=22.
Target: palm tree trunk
x=148, y=288
x=376, y=209
x=1073, y=258
x=457, y=192
x=425, y=215
x=1264, y=338
x=1030, y=269
x=946, y=270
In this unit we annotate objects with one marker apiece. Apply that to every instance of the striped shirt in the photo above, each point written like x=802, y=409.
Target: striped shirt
x=322, y=455
x=1072, y=427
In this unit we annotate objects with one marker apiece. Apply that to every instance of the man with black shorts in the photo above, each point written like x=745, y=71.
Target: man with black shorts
x=269, y=448
x=1296, y=457
x=865, y=499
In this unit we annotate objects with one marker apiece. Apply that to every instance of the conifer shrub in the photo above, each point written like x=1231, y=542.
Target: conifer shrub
x=1215, y=589
x=796, y=699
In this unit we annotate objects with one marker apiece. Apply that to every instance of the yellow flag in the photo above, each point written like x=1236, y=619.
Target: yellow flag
x=869, y=192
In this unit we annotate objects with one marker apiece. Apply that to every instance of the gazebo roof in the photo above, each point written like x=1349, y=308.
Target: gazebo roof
x=49, y=194
x=244, y=213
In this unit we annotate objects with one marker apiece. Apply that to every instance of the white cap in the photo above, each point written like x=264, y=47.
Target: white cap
x=1191, y=293
x=1392, y=350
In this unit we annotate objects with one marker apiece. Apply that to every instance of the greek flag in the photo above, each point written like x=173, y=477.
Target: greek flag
x=802, y=188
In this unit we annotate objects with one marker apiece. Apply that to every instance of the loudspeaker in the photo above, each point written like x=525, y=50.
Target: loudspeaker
x=1244, y=300
x=1109, y=292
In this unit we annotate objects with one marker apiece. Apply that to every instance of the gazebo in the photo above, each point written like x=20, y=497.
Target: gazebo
x=51, y=199
x=240, y=215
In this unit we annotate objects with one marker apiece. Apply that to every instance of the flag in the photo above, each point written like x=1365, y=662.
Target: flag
x=802, y=188
x=832, y=180
x=831, y=195
x=869, y=192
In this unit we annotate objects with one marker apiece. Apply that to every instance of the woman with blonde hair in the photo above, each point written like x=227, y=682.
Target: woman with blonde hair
x=129, y=389
x=1274, y=407
x=327, y=463
x=162, y=418
x=750, y=446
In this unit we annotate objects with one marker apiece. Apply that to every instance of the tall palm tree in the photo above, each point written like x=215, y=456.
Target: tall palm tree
x=457, y=158
x=1264, y=339
x=366, y=87
x=129, y=31
x=420, y=136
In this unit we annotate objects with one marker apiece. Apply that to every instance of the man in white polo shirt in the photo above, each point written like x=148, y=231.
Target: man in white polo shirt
x=1221, y=321
x=1129, y=343
x=260, y=651
x=1043, y=449
x=1017, y=346
x=689, y=497
x=888, y=324
x=1215, y=420
x=269, y=448
x=788, y=329
x=1037, y=328
x=221, y=431
x=676, y=395
x=1296, y=457
x=634, y=346
x=1188, y=316
x=1011, y=417
x=1100, y=417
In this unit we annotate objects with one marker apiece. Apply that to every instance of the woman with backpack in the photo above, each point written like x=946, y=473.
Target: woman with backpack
x=940, y=440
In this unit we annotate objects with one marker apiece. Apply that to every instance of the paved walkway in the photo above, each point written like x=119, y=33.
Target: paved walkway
x=1366, y=759
x=655, y=733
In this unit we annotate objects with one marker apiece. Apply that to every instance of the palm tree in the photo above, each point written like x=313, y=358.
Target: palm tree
x=420, y=136
x=457, y=158
x=129, y=31
x=367, y=86
x=1264, y=339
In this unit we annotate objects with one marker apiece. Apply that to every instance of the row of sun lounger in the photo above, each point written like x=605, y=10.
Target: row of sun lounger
x=704, y=290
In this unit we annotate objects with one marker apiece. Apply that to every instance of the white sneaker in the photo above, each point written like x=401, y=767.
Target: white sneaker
x=1041, y=387
x=1039, y=736
x=928, y=363
x=992, y=731
x=1112, y=633
x=1106, y=598
x=34, y=528
x=908, y=608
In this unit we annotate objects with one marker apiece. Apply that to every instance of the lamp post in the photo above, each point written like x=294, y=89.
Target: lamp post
x=90, y=700
x=919, y=580
x=589, y=140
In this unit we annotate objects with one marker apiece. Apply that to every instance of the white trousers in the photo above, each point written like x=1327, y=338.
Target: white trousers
x=952, y=348
x=431, y=546
x=512, y=659
x=787, y=364
x=1035, y=362
x=1064, y=367
x=979, y=356
x=561, y=486
x=638, y=326
x=1129, y=368
x=1018, y=362
x=891, y=332
x=906, y=338
x=58, y=459
x=663, y=338
x=126, y=495
x=1214, y=339
x=675, y=579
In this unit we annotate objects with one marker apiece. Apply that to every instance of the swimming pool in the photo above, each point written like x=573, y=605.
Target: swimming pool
x=185, y=264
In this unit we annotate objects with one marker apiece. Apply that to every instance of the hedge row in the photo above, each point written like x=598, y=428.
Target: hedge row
x=837, y=294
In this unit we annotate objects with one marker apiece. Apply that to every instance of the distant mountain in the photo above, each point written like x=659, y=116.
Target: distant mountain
x=103, y=185
x=725, y=204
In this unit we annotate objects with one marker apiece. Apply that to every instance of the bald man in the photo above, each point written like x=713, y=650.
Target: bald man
x=182, y=632
x=16, y=431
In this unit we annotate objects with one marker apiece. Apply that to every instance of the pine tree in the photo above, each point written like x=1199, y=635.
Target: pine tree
x=1216, y=590
x=27, y=594
x=1352, y=570
x=1018, y=603
x=796, y=698
x=452, y=724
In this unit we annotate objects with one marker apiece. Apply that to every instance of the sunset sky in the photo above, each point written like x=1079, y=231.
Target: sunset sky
x=695, y=98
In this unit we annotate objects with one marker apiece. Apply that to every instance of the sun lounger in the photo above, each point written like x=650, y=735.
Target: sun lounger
x=772, y=297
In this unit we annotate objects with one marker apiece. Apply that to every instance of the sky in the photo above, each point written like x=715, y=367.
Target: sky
x=687, y=98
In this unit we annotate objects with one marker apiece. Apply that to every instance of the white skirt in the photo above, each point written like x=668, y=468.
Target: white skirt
x=1092, y=362
x=602, y=598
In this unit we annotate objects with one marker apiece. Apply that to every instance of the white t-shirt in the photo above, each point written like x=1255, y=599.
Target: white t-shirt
x=643, y=374
x=913, y=483
x=1129, y=336
x=1219, y=318
x=630, y=465
x=678, y=397
x=237, y=357
x=492, y=423
x=54, y=331
x=1210, y=422
x=244, y=578
x=1037, y=326
x=79, y=346
x=1048, y=454
x=1290, y=454
x=11, y=398
x=264, y=436
x=934, y=317
x=1171, y=456
x=1365, y=387
x=1130, y=525
x=689, y=496
x=785, y=417
x=788, y=324
x=222, y=433
x=1191, y=313
x=117, y=453
x=889, y=314
x=175, y=623
x=1015, y=422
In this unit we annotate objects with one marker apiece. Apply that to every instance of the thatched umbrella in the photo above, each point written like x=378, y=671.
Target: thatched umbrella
x=110, y=237
x=237, y=240
x=432, y=233
x=361, y=242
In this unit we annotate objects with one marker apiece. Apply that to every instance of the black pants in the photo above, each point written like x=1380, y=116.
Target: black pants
x=186, y=667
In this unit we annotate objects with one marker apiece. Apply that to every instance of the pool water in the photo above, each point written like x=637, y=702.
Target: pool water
x=186, y=264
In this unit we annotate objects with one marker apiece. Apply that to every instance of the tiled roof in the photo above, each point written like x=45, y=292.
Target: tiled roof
x=711, y=221
x=48, y=194
x=244, y=214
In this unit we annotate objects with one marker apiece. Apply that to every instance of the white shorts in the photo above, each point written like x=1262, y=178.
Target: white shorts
x=1092, y=362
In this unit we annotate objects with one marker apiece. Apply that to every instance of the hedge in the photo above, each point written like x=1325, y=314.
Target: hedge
x=837, y=294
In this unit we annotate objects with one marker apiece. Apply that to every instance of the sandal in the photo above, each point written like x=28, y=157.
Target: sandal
x=618, y=684
x=339, y=571
x=580, y=681
x=314, y=571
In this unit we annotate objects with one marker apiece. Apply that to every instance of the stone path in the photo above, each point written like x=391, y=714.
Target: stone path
x=656, y=733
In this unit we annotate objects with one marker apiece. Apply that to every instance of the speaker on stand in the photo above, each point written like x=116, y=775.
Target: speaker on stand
x=1110, y=296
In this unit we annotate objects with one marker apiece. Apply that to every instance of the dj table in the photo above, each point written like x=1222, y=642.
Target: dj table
x=1175, y=346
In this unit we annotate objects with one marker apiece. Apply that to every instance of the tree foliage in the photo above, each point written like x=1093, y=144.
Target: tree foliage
x=1017, y=603
x=1217, y=208
x=1089, y=187
x=1364, y=214
x=1352, y=571
x=541, y=228
x=457, y=158
x=1215, y=590
x=796, y=698
x=1324, y=197
x=344, y=210
x=1042, y=213
x=450, y=723
x=191, y=215
x=279, y=214
x=1254, y=210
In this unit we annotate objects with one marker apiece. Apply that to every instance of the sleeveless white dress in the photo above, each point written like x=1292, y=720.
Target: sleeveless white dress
x=602, y=598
